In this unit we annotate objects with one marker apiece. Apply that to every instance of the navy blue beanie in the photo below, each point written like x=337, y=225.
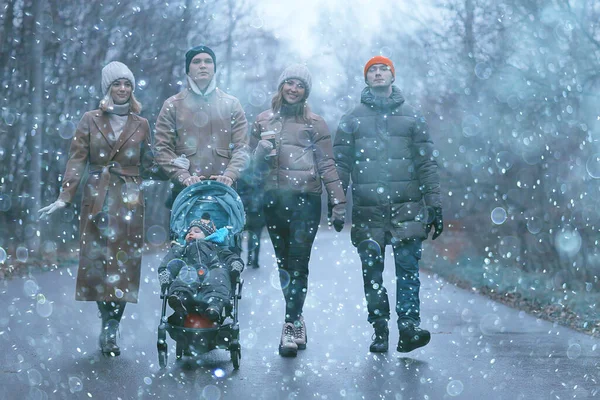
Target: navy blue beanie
x=194, y=51
x=205, y=224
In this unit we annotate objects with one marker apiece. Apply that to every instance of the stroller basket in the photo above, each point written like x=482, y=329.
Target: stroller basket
x=202, y=340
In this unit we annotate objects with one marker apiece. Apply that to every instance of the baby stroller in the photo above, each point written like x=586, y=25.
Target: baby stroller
x=226, y=210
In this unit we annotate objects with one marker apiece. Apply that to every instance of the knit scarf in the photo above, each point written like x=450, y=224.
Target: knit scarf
x=119, y=109
x=292, y=110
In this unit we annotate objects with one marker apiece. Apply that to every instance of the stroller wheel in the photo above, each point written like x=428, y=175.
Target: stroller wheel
x=162, y=355
x=179, y=350
x=235, y=358
x=236, y=354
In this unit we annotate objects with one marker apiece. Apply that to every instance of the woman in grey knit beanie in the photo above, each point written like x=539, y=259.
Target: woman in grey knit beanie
x=292, y=98
x=111, y=74
x=111, y=144
x=294, y=175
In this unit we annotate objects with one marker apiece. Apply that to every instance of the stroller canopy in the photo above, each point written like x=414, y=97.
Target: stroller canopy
x=219, y=200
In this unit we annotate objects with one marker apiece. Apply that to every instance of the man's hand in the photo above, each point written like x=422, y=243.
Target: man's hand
x=263, y=149
x=222, y=178
x=437, y=222
x=181, y=162
x=338, y=216
x=190, y=180
x=46, y=211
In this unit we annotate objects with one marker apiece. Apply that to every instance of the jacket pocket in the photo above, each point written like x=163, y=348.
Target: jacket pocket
x=187, y=150
x=409, y=211
x=226, y=153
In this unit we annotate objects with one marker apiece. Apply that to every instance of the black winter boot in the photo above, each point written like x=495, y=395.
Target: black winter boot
x=175, y=301
x=412, y=337
x=380, y=337
x=111, y=314
x=214, y=311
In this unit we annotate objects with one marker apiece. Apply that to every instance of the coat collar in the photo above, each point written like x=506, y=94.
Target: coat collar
x=379, y=103
x=103, y=123
x=209, y=89
x=133, y=121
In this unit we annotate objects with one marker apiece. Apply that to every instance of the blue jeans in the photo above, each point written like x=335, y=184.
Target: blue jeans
x=406, y=258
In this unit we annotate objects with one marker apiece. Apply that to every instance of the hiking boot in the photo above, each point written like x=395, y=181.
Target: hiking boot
x=287, y=346
x=412, y=337
x=176, y=303
x=300, y=333
x=380, y=337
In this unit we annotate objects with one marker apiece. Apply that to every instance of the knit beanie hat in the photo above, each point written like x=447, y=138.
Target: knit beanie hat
x=297, y=71
x=205, y=224
x=194, y=51
x=113, y=71
x=380, y=60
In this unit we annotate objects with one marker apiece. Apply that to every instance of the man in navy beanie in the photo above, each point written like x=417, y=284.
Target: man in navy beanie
x=201, y=127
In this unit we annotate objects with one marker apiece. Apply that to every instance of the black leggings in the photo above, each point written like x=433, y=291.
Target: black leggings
x=292, y=221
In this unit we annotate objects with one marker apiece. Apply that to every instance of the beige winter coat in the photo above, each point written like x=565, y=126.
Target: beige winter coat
x=211, y=131
x=304, y=160
x=112, y=207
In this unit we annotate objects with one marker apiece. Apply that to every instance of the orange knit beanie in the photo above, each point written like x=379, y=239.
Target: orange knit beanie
x=380, y=60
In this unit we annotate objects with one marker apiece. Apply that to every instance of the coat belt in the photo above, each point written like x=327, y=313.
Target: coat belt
x=105, y=171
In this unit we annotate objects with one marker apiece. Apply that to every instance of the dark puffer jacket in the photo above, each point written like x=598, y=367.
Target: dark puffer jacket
x=205, y=257
x=384, y=146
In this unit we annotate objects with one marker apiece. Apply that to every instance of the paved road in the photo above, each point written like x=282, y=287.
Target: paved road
x=479, y=349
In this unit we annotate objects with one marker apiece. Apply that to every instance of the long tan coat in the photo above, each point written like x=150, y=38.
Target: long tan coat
x=112, y=208
x=210, y=130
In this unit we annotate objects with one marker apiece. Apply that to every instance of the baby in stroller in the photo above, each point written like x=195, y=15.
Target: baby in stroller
x=197, y=277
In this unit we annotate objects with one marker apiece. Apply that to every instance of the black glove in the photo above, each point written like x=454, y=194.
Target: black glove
x=164, y=277
x=338, y=216
x=435, y=220
x=236, y=269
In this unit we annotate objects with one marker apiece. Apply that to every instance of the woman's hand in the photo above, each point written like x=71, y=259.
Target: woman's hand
x=46, y=211
x=263, y=149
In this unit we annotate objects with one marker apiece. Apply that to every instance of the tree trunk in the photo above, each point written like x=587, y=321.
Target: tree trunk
x=36, y=125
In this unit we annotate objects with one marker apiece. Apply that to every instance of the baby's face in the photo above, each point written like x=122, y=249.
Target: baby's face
x=194, y=233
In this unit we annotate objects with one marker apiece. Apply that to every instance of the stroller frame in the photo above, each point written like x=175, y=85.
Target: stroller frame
x=195, y=341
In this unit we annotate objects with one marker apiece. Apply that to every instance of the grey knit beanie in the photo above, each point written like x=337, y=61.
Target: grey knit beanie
x=297, y=71
x=113, y=71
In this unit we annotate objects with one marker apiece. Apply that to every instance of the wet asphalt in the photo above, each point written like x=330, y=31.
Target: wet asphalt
x=479, y=349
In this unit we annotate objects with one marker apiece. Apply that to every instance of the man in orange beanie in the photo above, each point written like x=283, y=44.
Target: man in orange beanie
x=384, y=147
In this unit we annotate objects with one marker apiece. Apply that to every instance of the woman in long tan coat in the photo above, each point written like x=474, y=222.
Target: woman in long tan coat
x=113, y=143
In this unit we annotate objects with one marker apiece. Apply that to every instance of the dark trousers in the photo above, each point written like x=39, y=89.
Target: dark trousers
x=111, y=311
x=255, y=222
x=214, y=288
x=292, y=221
x=406, y=258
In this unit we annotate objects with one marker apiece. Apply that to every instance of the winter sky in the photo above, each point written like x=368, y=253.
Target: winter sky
x=296, y=21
